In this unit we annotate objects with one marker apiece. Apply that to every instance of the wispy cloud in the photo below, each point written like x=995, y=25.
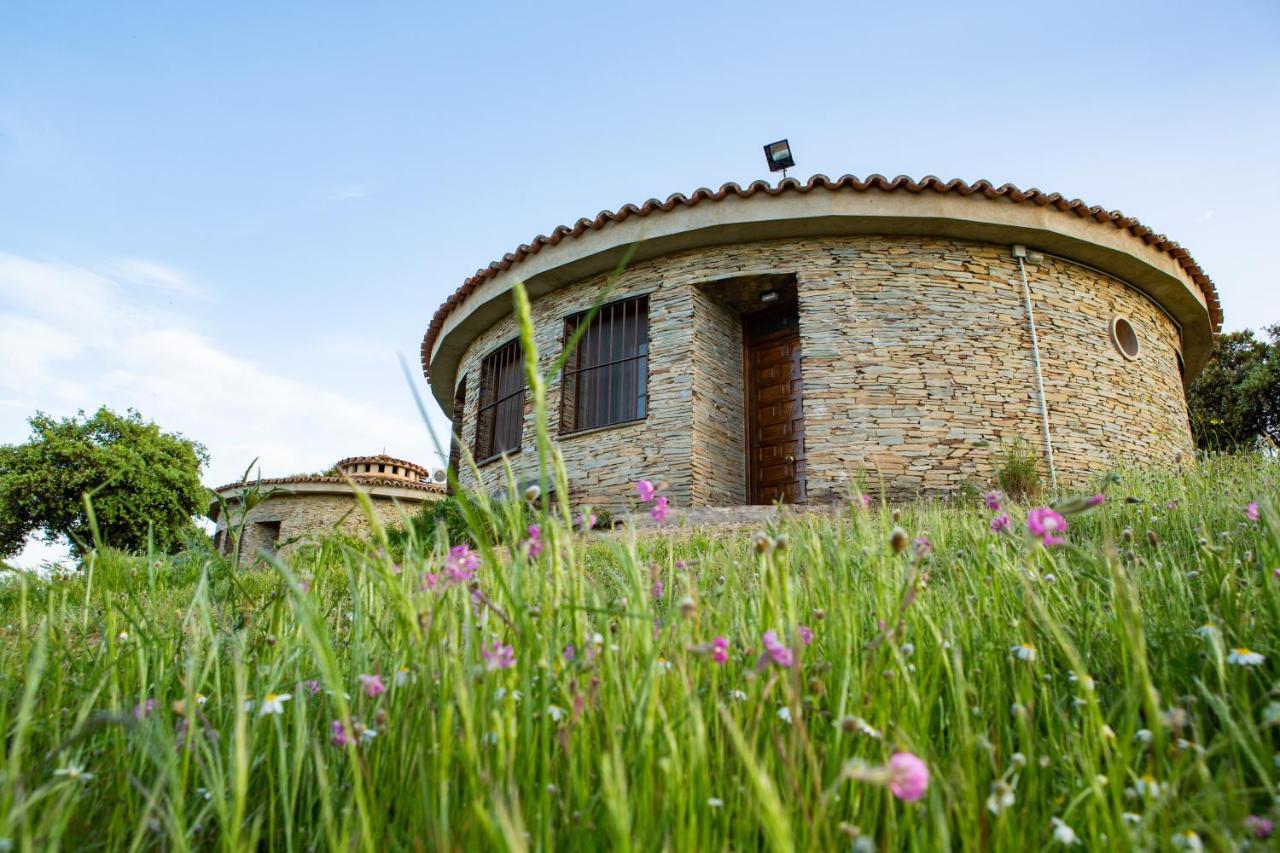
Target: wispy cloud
x=146, y=273
x=348, y=193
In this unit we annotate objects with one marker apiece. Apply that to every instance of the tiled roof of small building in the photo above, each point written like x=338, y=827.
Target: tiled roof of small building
x=360, y=479
x=380, y=459
x=901, y=183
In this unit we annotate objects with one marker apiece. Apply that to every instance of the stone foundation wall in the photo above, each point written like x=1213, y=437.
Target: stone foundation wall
x=917, y=371
x=304, y=515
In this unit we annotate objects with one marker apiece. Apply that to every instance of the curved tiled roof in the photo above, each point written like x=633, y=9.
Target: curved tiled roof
x=380, y=459
x=361, y=479
x=846, y=182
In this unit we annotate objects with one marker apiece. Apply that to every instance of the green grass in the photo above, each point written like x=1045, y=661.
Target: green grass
x=1128, y=726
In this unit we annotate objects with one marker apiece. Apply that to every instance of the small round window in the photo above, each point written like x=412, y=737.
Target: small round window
x=1125, y=338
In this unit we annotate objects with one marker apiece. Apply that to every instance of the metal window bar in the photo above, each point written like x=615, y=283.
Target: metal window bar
x=605, y=380
x=500, y=417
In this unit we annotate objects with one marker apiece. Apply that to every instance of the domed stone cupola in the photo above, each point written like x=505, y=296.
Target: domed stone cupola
x=383, y=467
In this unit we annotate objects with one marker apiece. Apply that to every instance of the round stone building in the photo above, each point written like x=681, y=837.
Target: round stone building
x=800, y=341
x=300, y=507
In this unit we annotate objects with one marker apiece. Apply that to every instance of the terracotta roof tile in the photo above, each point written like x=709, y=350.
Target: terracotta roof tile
x=901, y=183
x=361, y=479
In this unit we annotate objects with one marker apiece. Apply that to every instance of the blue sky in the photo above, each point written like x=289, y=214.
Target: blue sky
x=236, y=217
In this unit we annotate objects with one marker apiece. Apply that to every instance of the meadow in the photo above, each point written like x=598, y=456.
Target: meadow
x=578, y=690
x=981, y=674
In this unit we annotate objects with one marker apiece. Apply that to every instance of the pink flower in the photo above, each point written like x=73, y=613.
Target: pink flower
x=657, y=588
x=534, y=542
x=498, y=656
x=806, y=636
x=1277, y=574
x=1251, y=511
x=340, y=737
x=908, y=777
x=1046, y=523
x=569, y=653
x=923, y=546
x=660, y=509
x=144, y=709
x=461, y=564
x=313, y=686
x=430, y=580
x=1259, y=826
x=1000, y=523
x=993, y=500
x=1095, y=500
x=777, y=652
x=719, y=650
x=372, y=685
x=587, y=521
x=863, y=501
x=645, y=490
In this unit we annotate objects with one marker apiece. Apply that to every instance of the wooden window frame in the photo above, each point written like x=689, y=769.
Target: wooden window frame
x=455, y=427
x=504, y=357
x=630, y=409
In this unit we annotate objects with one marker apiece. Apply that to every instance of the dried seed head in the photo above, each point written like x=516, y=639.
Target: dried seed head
x=898, y=540
x=1127, y=535
x=534, y=611
x=763, y=543
x=687, y=607
x=897, y=515
x=781, y=542
x=819, y=614
x=532, y=493
x=1153, y=538
x=380, y=718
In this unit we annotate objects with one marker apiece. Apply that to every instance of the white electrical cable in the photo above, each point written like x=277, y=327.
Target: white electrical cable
x=1035, y=357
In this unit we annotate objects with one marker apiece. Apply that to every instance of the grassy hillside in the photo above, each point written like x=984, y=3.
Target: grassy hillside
x=581, y=698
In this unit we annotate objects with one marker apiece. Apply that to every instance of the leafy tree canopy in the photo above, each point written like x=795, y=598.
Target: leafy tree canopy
x=142, y=482
x=1235, y=401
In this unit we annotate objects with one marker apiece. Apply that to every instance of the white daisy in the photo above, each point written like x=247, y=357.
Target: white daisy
x=738, y=695
x=273, y=703
x=784, y=714
x=403, y=676
x=201, y=698
x=1148, y=787
x=1024, y=651
x=1143, y=736
x=1002, y=797
x=1063, y=834
x=1187, y=840
x=1245, y=657
x=74, y=773
x=555, y=712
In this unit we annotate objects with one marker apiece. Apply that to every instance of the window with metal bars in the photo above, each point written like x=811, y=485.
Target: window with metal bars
x=606, y=379
x=500, y=417
x=459, y=412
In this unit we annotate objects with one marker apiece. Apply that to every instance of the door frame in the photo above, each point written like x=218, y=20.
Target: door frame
x=788, y=306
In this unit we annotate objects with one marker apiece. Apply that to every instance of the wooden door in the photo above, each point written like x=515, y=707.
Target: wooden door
x=775, y=421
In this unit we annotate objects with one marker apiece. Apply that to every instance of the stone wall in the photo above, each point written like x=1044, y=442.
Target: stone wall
x=306, y=515
x=917, y=371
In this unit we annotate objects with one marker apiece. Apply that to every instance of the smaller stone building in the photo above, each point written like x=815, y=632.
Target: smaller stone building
x=298, y=508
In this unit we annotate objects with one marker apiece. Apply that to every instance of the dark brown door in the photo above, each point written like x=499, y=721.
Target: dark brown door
x=775, y=422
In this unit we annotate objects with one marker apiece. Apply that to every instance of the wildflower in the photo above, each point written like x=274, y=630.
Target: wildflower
x=714, y=802
x=555, y=712
x=1000, y=523
x=993, y=500
x=898, y=540
x=1095, y=500
x=273, y=703
x=201, y=699
x=688, y=607
x=1143, y=736
x=862, y=501
x=806, y=636
x=534, y=542
x=73, y=773
x=1260, y=827
x=645, y=491
x=144, y=709
x=403, y=676
x=852, y=724
x=1063, y=834
x=498, y=656
x=907, y=649
x=1251, y=511
x=1018, y=759
x=661, y=508
x=777, y=652
x=1187, y=840
x=663, y=665
x=1107, y=732
x=372, y=685
x=1131, y=817
x=461, y=564
x=340, y=735
x=738, y=695
x=123, y=637
x=1147, y=787
x=1002, y=797
x=923, y=546
x=1245, y=657
x=1205, y=631
x=908, y=776
x=720, y=650
x=532, y=493
x=784, y=714
x=1045, y=523
x=658, y=587
x=569, y=653
x=304, y=583
x=1024, y=651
